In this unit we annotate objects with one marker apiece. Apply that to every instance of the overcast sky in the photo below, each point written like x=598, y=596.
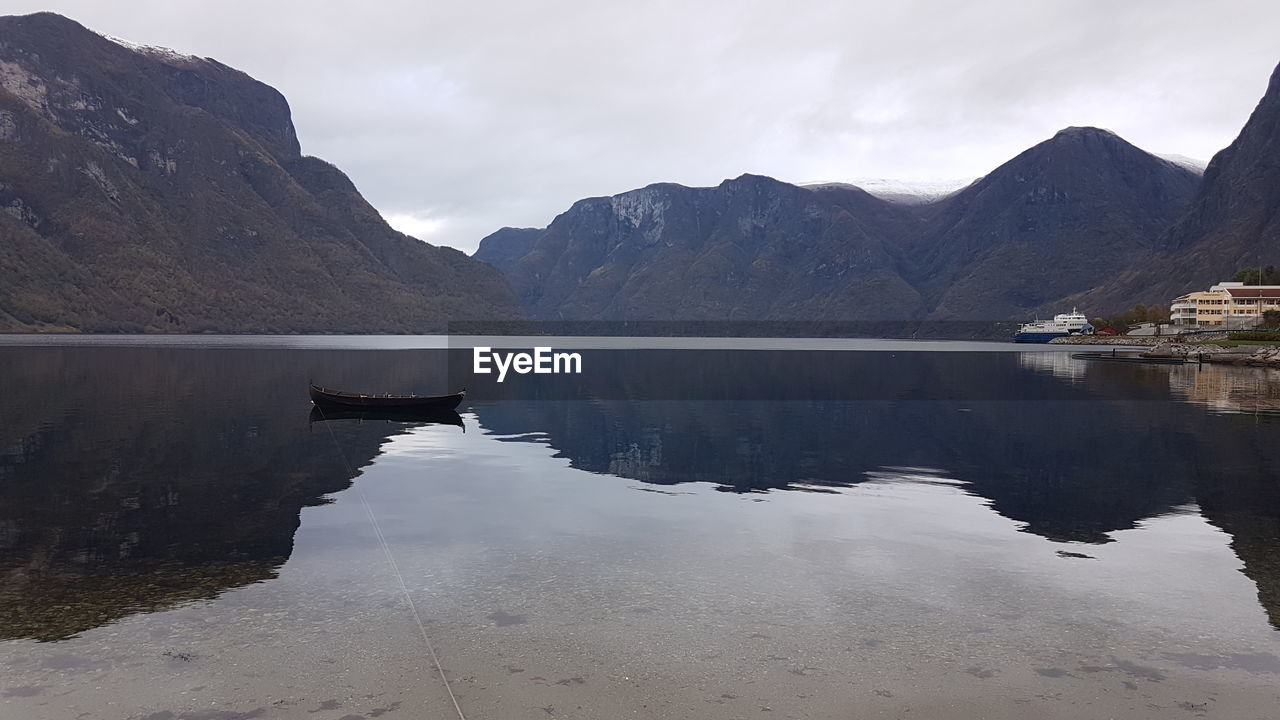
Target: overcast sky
x=457, y=118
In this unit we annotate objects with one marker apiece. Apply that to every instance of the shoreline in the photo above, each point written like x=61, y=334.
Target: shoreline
x=1262, y=356
x=1149, y=340
x=1104, y=340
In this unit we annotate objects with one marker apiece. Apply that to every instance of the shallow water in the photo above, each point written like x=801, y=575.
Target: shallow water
x=718, y=533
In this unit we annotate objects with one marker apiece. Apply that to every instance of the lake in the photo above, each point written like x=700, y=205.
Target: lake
x=687, y=529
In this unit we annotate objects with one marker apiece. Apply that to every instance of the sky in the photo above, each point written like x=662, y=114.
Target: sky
x=455, y=119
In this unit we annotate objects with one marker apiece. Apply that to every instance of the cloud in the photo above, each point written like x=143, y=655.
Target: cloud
x=416, y=225
x=490, y=114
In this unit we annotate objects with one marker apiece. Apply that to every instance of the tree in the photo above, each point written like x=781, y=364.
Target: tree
x=1268, y=275
x=1139, y=314
x=1271, y=319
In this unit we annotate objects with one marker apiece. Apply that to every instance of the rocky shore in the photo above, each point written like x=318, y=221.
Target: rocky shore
x=1103, y=340
x=1131, y=340
x=1164, y=347
x=1251, y=355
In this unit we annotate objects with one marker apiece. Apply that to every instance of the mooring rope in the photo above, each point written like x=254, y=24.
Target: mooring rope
x=395, y=569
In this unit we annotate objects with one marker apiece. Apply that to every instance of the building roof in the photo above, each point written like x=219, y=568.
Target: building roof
x=1253, y=291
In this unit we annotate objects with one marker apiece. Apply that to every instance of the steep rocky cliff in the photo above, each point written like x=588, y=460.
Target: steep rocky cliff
x=1045, y=225
x=751, y=248
x=1233, y=222
x=1042, y=226
x=144, y=190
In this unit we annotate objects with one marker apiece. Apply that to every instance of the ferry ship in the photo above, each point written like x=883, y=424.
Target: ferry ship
x=1062, y=325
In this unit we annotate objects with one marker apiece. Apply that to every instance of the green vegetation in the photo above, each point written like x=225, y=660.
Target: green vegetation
x=1246, y=337
x=1268, y=275
x=1255, y=335
x=1139, y=314
x=1236, y=343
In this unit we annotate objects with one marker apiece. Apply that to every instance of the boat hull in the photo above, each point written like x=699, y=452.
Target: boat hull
x=1038, y=337
x=323, y=397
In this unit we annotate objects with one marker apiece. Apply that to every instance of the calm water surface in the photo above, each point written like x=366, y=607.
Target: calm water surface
x=856, y=531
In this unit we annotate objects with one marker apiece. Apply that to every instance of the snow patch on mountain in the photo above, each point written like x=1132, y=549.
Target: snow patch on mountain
x=160, y=53
x=1192, y=164
x=905, y=192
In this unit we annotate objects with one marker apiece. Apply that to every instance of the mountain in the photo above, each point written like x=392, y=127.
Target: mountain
x=901, y=191
x=1190, y=163
x=1046, y=224
x=1233, y=221
x=751, y=248
x=1043, y=226
x=506, y=246
x=144, y=190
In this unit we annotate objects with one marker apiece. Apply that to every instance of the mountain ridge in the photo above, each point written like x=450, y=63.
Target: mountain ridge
x=143, y=190
x=1233, y=221
x=148, y=191
x=949, y=259
x=1041, y=226
x=743, y=247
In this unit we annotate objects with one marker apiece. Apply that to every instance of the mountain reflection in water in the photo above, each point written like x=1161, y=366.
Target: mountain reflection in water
x=1073, y=452
x=133, y=479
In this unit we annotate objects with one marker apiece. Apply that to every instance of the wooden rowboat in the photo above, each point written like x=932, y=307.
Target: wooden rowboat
x=324, y=397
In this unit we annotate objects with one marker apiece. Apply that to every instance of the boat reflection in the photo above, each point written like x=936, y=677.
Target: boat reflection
x=1054, y=363
x=421, y=417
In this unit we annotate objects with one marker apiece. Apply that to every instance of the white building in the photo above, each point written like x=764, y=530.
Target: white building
x=1227, y=305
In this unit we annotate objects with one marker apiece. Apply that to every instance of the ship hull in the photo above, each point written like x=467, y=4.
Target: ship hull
x=1038, y=337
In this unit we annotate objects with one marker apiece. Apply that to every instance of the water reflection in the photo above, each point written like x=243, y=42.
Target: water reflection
x=417, y=417
x=1221, y=387
x=1056, y=364
x=133, y=479
x=1228, y=389
x=1070, y=487
x=1077, y=462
